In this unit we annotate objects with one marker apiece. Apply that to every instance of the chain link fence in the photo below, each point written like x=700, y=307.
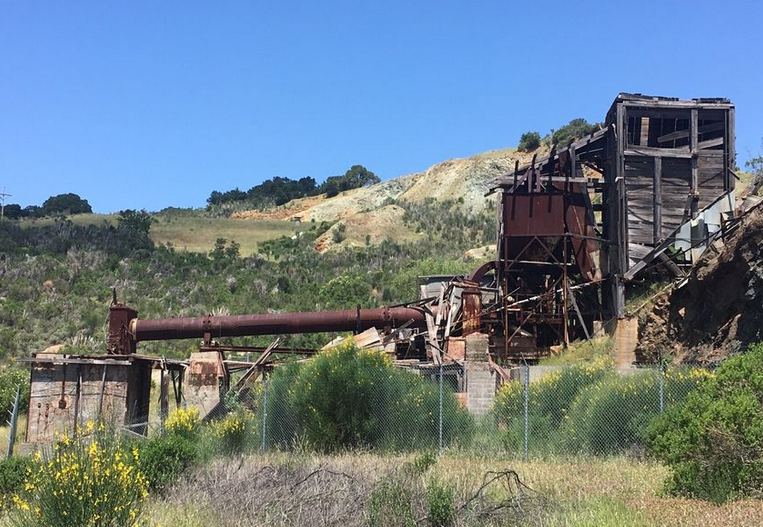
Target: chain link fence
x=590, y=409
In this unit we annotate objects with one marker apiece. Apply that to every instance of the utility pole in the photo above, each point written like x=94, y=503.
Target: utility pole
x=3, y=195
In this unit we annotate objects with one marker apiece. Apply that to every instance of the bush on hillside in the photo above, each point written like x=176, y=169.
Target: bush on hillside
x=712, y=442
x=571, y=131
x=350, y=398
x=65, y=204
x=529, y=141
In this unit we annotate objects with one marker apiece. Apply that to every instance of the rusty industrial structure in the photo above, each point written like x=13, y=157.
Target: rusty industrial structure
x=645, y=193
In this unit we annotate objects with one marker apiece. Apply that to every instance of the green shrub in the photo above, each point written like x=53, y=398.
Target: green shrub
x=13, y=473
x=389, y=505
x=350, y=398
x=571, y=131
x=529, y=141
x=10, y=378
x=549, y=401
x=440, y=509
x=163, y=459
x=611, y=415
x=712, y=442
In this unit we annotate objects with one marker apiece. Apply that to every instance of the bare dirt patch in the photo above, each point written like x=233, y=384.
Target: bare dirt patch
x=719, y=310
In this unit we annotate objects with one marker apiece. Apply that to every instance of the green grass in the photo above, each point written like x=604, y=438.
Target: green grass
x=580, y=351
x=195, y=232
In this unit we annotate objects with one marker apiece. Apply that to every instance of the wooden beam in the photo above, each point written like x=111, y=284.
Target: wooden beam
x=730, y=150
x=651, y=151
x=693, y=138
x=657, y=202
x=680, y=134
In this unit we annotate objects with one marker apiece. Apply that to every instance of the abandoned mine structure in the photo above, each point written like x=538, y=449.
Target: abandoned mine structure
x=644, y=194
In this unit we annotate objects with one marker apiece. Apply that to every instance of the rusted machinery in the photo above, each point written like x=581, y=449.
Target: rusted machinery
x=653, y=187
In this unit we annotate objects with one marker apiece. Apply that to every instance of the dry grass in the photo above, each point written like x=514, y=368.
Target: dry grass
x=5, y=433
x=579, y=492
x=196, y=233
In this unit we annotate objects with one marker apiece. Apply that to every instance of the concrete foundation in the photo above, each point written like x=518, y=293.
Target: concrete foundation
x=481, y=381
x=624, y=333
x=205, y=380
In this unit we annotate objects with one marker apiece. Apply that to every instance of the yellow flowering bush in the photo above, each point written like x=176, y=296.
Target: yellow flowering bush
x=233, y=431
x=92, y=481
x=183, y=421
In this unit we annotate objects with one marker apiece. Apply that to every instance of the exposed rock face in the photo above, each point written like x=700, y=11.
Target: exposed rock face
x=719, y=310
x=463, y=180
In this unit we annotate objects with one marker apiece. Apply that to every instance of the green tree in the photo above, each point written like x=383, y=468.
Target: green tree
x=66, y=204
x=138, y=221
x=345, y=291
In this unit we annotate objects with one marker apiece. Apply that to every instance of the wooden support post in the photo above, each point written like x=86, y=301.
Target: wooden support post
x=77, y=392
x=565, y=290
x=657, y=202
x=693, y=134
x=730, y=142
x=574, y=303
x=164, y=389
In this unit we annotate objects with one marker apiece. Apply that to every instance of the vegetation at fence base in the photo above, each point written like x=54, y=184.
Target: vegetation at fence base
x=440, y=503
x=13, y=473
x=589, y=408
x=351, y=398
x=713, y=442
x=167, y=456
x=549, y=400
x=613, y=415
x=92, y=480
x=184, y=422
x=164, y=458
x=233, y=433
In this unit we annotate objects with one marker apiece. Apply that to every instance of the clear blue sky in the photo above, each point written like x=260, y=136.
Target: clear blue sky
x=152, y=104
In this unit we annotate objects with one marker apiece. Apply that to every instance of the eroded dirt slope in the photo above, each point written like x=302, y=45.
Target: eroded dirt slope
x=719, y=310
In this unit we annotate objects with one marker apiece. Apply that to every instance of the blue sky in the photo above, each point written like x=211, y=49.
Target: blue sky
x=155, y=104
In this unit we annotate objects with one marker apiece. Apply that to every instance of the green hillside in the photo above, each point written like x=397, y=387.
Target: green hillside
x=192, y=230
x=56, y=275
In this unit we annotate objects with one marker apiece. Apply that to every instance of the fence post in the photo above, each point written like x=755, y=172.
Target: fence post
x=14, y=421
x=526, y=386
x=440, y=412
x=661, y=374
x=264, y=413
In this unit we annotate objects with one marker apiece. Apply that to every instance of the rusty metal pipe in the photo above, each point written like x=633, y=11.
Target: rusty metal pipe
x=274, y=323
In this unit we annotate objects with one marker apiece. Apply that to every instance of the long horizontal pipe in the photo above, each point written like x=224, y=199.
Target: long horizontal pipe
x=274, y=323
